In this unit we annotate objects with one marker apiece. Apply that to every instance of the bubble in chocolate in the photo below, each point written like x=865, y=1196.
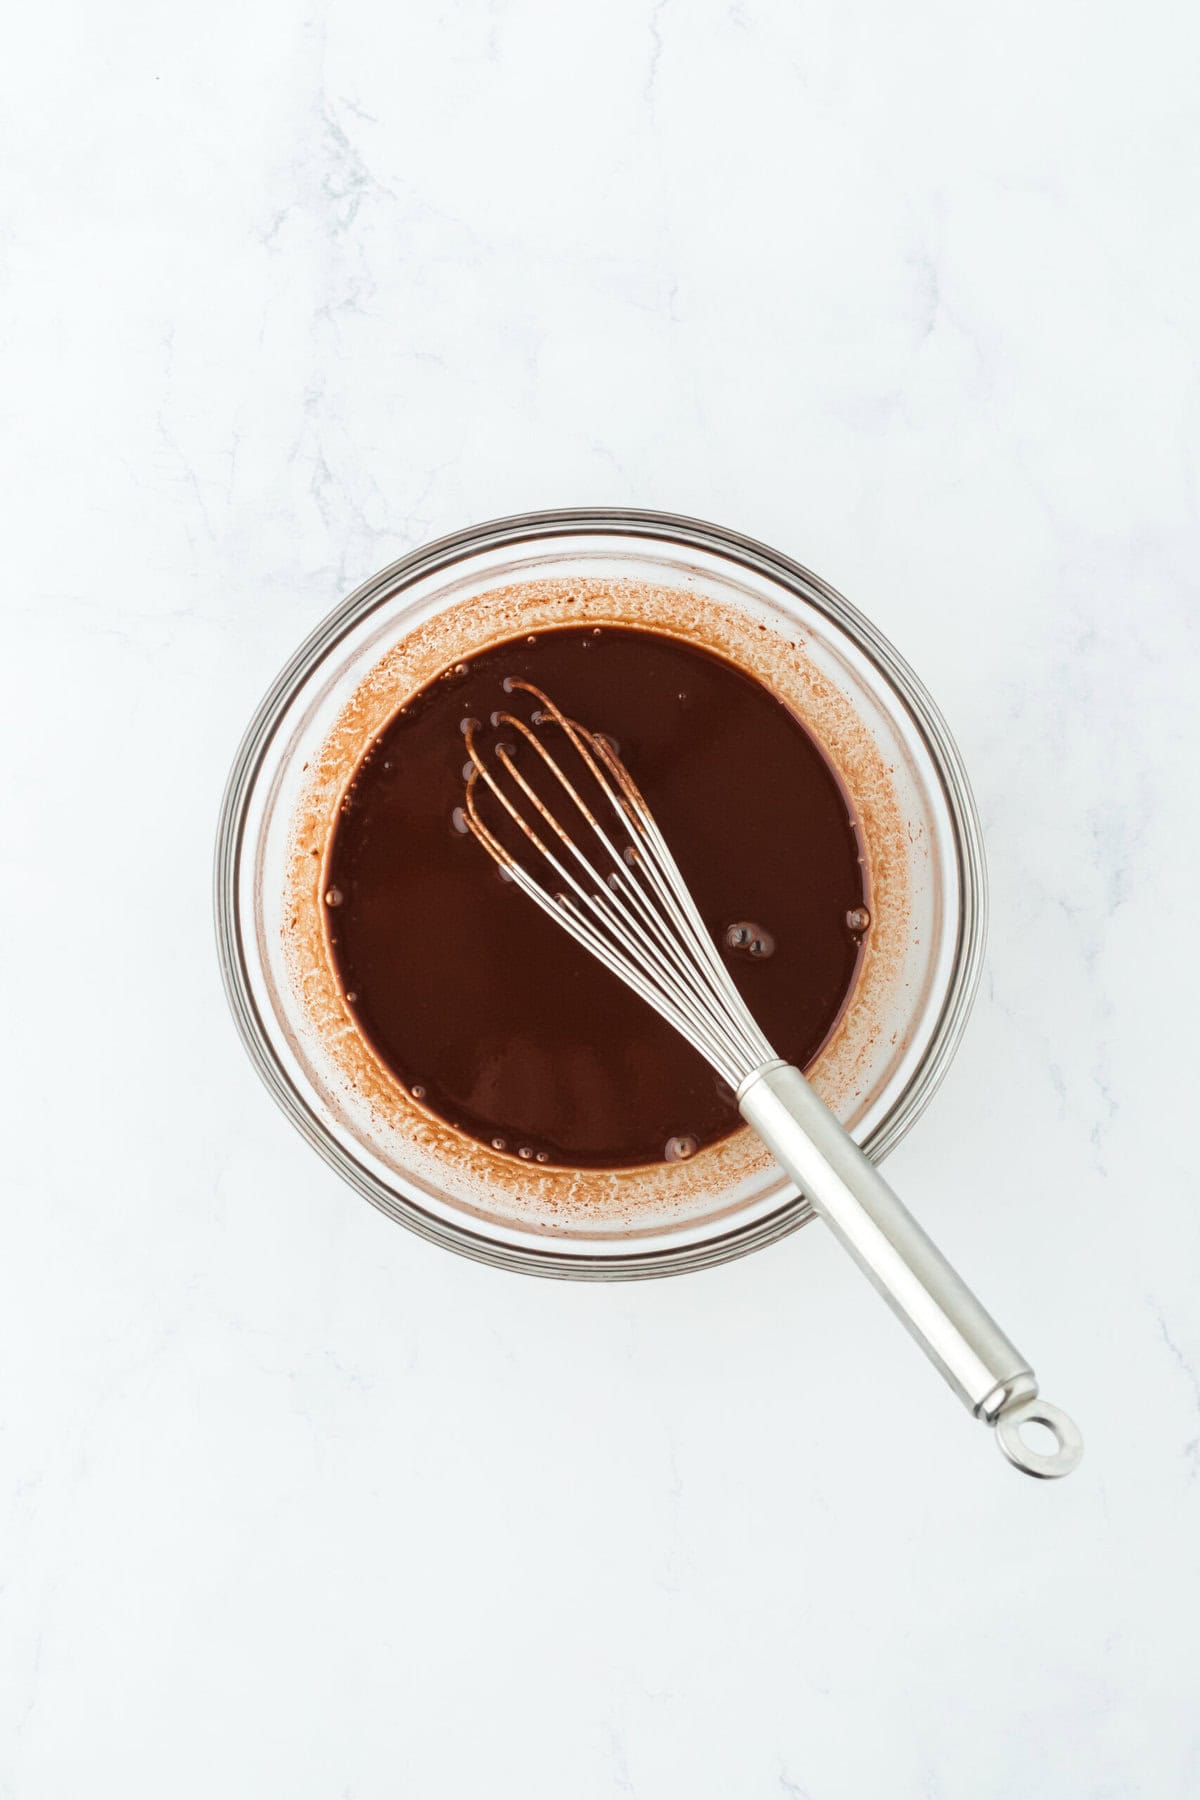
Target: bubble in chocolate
x=525, y=1153
x=531, y=639
x=458, y=819
x=497, y=718
x=858, y=918
x=417, y=1091
x=334, y=897
x=462, y=668
x=468, y=769
x=508, y=684
x=749, y=939
x=465, y=725
x=543, y=1156
x=351, y=997
x=678, y=1149
x=499, y=1143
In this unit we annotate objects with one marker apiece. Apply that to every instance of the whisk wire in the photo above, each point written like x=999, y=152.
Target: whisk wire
x=682, y=1012
x=677, y=896
x=682, y=968
x=640, y=920
x=690, y=939
x=652, y=858
x=655, y=858
x=662, y=972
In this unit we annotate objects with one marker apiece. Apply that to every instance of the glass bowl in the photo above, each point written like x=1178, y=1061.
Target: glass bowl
x=897, y=761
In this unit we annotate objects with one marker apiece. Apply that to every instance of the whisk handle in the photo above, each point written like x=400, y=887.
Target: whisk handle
x=842, y=1184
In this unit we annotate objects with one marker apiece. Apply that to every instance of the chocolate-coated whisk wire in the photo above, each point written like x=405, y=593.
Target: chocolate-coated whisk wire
x=618, y=892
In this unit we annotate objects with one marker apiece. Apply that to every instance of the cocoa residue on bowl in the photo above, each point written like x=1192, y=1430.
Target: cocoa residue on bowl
x=549, y=1197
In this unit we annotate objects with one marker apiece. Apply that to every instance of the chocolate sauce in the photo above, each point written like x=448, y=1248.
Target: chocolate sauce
x=485, y=1008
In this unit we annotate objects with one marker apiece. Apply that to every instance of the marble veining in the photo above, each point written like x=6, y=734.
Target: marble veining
x=290, y=1502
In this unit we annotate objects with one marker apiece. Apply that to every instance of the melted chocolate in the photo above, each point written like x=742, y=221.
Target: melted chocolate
x=485, y=1008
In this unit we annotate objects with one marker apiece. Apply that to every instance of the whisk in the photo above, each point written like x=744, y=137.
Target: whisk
x=608, y=878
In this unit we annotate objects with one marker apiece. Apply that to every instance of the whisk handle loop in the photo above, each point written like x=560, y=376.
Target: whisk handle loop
x=842, y=1184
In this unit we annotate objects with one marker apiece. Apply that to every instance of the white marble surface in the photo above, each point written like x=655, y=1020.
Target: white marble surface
x=293, y=1504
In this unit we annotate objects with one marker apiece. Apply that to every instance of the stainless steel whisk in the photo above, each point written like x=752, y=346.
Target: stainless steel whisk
x=617, y=889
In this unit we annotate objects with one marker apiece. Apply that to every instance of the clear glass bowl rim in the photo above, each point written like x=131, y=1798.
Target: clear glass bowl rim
x=679, y=531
